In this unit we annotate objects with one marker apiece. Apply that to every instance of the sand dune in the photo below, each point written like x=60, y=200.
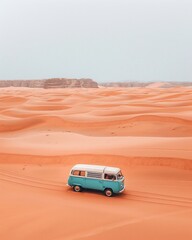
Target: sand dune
x=147, y=132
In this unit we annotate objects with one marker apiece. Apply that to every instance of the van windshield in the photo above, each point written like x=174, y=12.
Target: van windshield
x=119, y=176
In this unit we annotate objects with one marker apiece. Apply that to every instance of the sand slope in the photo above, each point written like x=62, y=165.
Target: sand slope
x=147, y=132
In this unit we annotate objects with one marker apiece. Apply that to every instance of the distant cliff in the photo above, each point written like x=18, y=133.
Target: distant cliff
x=70, y=83
x=51, y=83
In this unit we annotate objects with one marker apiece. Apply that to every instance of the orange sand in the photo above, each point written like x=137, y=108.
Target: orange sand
x=147, y=132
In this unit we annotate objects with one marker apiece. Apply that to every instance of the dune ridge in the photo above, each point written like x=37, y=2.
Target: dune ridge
x=97, y=159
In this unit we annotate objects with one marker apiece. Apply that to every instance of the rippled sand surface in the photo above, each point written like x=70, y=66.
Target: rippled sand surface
x=147, y=132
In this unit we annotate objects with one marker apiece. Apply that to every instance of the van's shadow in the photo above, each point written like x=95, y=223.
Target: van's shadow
x=98, y=193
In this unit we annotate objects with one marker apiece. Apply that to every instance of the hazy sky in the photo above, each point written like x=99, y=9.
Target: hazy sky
x=107, y=40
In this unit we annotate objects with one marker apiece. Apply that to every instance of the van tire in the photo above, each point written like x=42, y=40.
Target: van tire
x=108, y=192
x=77, y=188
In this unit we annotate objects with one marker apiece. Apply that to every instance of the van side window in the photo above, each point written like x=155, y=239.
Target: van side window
x=109, y=176
x=76, y=172
x=82, y=173
x=94, y=174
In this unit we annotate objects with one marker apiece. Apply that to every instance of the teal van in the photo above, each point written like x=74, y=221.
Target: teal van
x=107, y=179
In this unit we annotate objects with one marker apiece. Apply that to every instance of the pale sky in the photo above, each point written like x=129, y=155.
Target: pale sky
x=106, y=40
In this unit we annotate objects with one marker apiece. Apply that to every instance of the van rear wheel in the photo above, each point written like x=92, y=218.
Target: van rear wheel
x=108, y=192
x=77, y=188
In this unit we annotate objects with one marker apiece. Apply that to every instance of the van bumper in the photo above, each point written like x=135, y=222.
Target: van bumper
x=122, y=190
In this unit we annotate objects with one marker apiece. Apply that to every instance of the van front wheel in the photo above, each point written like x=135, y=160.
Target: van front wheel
x=77, y=188
x=108, y=192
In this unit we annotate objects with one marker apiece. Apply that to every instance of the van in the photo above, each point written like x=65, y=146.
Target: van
x=107, y=179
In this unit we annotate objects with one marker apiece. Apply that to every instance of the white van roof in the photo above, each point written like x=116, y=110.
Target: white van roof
x=98, y=168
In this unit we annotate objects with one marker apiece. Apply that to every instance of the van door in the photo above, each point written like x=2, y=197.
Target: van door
x=94, y=181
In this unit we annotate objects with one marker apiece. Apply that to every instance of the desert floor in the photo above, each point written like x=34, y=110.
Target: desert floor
x=147, y=132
